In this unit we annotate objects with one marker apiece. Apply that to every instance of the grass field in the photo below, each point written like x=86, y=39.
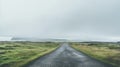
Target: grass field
x=106, y=53
x=17, y=54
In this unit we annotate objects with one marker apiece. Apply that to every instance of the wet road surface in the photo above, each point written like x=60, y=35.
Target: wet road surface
x=65, y=56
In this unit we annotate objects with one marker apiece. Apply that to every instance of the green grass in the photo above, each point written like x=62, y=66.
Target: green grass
x=17, y=54
x=108, y=54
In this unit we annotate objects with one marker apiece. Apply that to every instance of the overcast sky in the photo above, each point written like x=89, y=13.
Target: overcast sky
x=71, y=19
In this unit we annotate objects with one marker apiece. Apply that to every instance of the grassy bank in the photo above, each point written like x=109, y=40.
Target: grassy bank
x=17, y=54
x=109, y=54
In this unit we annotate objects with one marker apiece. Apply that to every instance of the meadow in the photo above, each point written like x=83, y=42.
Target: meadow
x=18, y=54
x=105, y=52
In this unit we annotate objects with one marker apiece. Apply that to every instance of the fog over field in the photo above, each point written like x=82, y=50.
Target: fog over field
x=60, y=19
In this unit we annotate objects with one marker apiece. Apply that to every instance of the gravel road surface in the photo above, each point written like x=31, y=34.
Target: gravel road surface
x=65, y=56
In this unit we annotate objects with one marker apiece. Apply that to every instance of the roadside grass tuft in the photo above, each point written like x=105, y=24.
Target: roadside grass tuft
x=102, y=53
x=17, y=54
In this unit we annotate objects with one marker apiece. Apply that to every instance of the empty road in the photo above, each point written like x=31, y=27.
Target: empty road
x=65, y=56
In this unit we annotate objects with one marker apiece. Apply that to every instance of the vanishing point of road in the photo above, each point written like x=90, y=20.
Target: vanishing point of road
x=65, y=56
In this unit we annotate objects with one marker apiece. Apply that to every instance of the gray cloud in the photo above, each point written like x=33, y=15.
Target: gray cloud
x=72, y=19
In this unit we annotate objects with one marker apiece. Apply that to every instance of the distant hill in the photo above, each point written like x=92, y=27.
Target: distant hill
x=37, y=39
x=2, y=38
